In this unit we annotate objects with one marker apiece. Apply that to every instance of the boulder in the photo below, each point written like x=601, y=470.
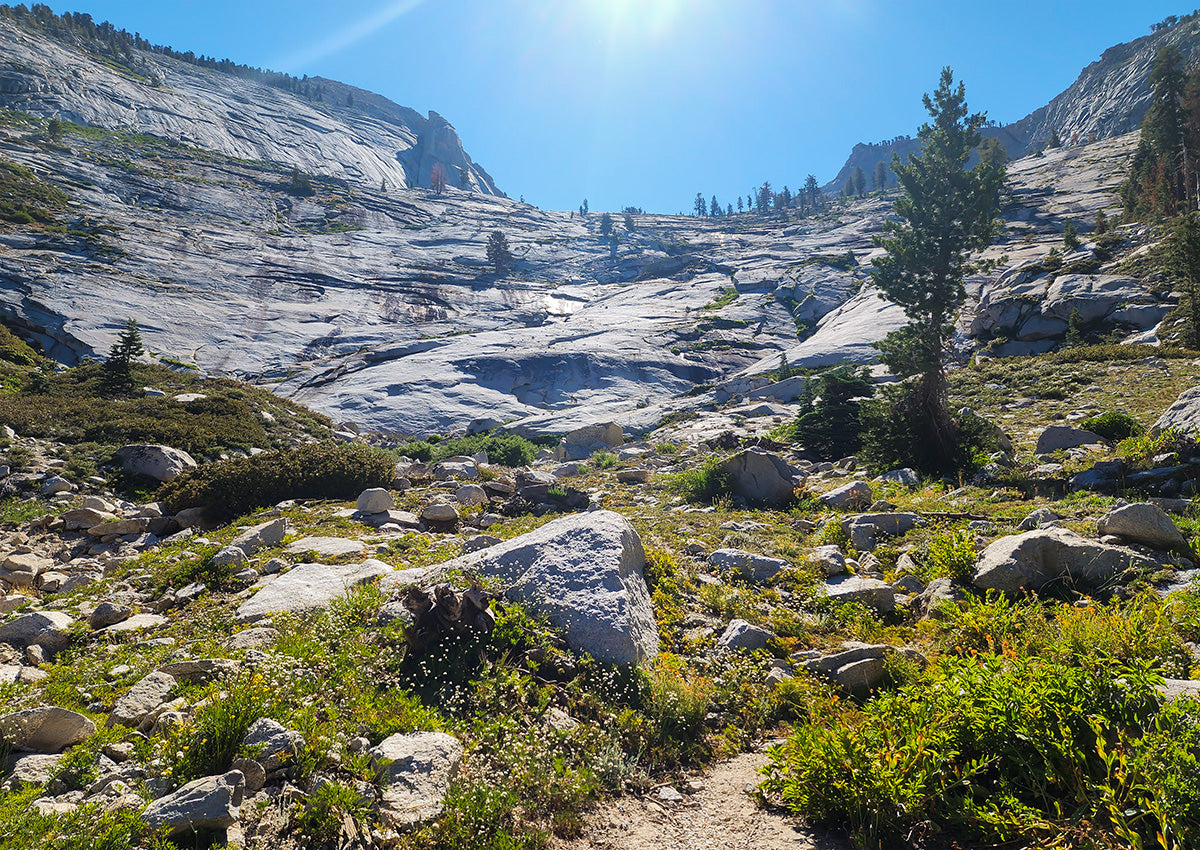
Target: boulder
x=1038, y=518
x=470, y=495
x=929, y=601
x=108, y=614
x=308, y=586
x=1183, y=415
x=1142, y=522
x=200, y=671
x=262, y=536
x=742, y=636
x=326, y=547
x=856, y=494
x=870, y=592
x=209, y=803
x=120, y=527
x=752, y=567
x=761, y=478
x=147, y=695
x=374, y=501
x=81, y=519
x=47, y=629
x=22, y=569
x=1056, y=437
x=274, y=743
x=1102, y=476
x=859, y=667
x=31, y=770
x=48, y=729
x=54, y=485
x=907, y=477
x=639, y=475
x=584, y=573
x=463, y=467
x=1034, y=559
x=439, y=512
x=830, y=559
x=416, y=774
x=866, y=530
x=161, y=463
x=584, y=442
x=228, y=556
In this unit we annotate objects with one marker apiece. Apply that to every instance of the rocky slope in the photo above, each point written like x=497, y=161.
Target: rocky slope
x=1109, y=98
x=349, y=134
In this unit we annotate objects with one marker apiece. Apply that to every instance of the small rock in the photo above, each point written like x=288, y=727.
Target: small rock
x=752, y=566
x=142, y=698
x=108, y=614
x=374, y=501
x=209, y=803
x=741, y=635
x=856, y=494
x=439, y=512
x=419, y=767
x=48, y=729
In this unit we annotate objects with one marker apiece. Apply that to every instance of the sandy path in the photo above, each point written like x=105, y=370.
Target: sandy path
x=720, y=816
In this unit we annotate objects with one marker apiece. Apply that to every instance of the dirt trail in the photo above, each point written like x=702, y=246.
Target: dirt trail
x=720, y=816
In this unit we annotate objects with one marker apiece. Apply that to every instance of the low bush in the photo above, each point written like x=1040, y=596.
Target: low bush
x=211, y=741
x=1113, y=425
x=1001, y=749
x=503, y=449
x=230, y=488
x=705, y=484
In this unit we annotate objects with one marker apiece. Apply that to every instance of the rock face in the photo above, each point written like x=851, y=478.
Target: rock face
x=761, y=478
x=44, y=730
x=1034, y=559
x=308, y=586
x=420, y=768
x=209, y=803
x=1142, y=522
x=161, y=463
x=584, y=573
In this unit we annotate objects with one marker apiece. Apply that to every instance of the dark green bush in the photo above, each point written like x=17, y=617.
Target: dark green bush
x=230, y=488
x=1113, y=425
x=828, y=423
x=504, y=449
x=892, y=438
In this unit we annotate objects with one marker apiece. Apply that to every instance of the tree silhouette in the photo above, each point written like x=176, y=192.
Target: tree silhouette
x=437, y=179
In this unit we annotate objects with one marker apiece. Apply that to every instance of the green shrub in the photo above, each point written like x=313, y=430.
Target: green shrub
x=603, y=460
x=988, y=748
x=1113, y=425
x=952, y=554
x=211, y=741
x=230, y=488
x=706, y=484
x=828, y=423
x=502, y=449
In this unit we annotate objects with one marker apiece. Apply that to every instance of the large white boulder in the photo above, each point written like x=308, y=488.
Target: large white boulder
x=419, y=767
x=761, y=478
x=1031, y=560
x=308, y=586
x=1142, y=522
x=161, y=463
x=206, y=804
x=47, y=729
x=584, y=573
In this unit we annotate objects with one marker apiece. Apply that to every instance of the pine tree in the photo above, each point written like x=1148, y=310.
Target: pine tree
x=699, y=206
x=879, y=177
x=714, y=208
x=629, y=222
x=497, y=252
x=1183, y=258
x=118, y=368
x=1101, y=223
x=944, y=213
x=583, y=208
x=54, y=130
x=739, y=203
x=813, y=190
x=1071, y=236
x=464, y=178
x=729, y=209
x=437, y=179
x=1074, y=337
x=858, y=181
x=606, y=224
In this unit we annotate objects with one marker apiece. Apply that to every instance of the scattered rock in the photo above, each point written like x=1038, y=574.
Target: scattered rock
x=1038, y=518
x=856, y=494
x=907, y=477
x=326, y=547
x=418, y=769
x=830, y=559
x=200, y=670
x=740, y=635
x=762, y=478
x=930, y=600
x=274, y=742
x=633, y=476
x=865, y=591
x=1034, y=559
x=866, y=530
x=752, y=566
x=48, y=629
x=1142, y=522
x=108, y=614
x=470, y=495
x=1056, y=437
x=141, y=699
x=374, y=501
x=161, y=463
x=262, y=536
x=308, y=586
x=439, y=512
x=48, y=729
x=228, y=556
x=209, y=803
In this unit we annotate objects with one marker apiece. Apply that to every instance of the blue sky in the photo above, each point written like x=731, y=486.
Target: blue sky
x=646, y=102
